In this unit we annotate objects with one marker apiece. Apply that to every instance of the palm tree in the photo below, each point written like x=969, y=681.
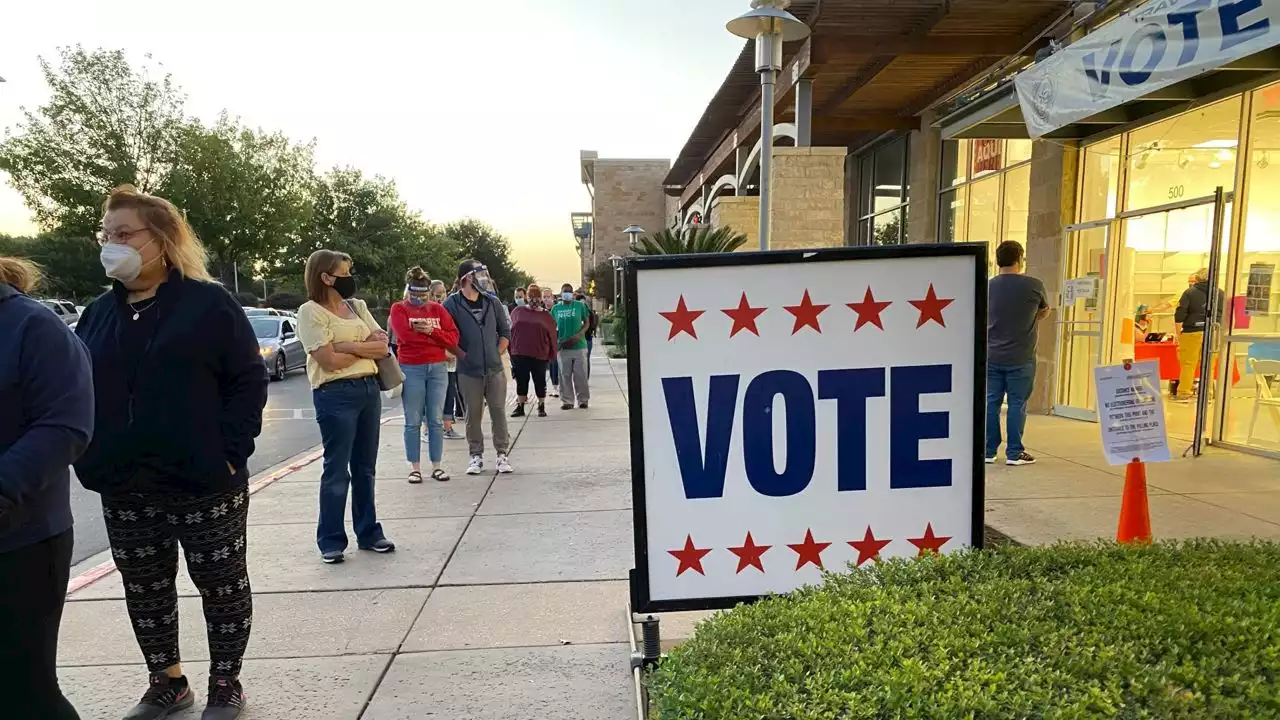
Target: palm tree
x=692, y=239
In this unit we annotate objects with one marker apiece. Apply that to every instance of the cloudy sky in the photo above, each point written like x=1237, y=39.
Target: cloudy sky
x=476, y=108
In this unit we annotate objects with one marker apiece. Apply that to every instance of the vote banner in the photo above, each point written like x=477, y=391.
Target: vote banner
x=794, y=412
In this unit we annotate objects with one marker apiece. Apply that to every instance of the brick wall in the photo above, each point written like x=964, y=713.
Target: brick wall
x=626, y=192
x=740, y=213
x=808, y=197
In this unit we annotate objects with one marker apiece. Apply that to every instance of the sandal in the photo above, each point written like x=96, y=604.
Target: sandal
x=439, y=475
x=415, y=477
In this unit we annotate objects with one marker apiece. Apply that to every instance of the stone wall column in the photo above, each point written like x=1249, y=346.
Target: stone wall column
x=923, y=169
x=1054, y=170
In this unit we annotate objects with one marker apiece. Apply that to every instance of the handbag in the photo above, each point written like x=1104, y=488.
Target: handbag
x=390, y=376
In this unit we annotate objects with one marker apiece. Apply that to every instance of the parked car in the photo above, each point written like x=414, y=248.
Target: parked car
x=66, y=311
x=278, y=344
x=269, y=312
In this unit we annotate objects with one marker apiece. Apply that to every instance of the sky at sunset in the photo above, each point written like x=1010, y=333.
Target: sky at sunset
x=474, y=108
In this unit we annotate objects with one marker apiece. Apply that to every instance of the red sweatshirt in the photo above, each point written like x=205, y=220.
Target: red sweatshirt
x=417, y=348
x=533, y=334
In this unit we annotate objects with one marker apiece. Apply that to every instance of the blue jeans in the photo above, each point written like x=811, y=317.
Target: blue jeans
x=590, y=347
x=554, y=368
x=349, y=413
x=1015, y=381
x=425, y=387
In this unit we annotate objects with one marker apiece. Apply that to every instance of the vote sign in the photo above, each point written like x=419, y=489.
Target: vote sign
x=794, y=412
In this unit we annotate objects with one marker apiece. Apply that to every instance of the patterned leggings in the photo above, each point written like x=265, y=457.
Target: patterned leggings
x=145, y=531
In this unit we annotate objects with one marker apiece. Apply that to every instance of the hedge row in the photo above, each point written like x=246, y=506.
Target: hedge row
x=1172, y=631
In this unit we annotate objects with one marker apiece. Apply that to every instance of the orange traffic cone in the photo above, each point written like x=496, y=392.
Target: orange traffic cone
x=1135, y=516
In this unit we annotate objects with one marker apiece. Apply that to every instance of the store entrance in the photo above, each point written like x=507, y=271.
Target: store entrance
x=1122, y=282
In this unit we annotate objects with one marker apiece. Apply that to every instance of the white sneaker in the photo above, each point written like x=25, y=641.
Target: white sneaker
x=477, y=465
x=504, y=466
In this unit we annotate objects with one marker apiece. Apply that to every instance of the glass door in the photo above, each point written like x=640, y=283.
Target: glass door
x=1082, y=326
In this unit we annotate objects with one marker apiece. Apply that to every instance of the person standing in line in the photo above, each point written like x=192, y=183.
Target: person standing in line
x=1015, y=304
x=548, y=301
x=572, y=321
x=1192, y=319
x=425, y=329
x=343, y=341
x=593, y=324
x=519, y=299
x=452, y=402
x=179, y=389
x=45, y=424
x=483, y=336
x=533, y=344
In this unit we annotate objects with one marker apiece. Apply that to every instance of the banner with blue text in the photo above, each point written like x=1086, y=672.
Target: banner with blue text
x=1149, y=48
x=800, y=412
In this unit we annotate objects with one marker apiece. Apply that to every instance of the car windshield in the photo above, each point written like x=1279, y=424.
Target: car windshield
x=265, y=327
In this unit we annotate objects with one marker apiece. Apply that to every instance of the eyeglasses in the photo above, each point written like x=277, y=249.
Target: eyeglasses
x=118, y=236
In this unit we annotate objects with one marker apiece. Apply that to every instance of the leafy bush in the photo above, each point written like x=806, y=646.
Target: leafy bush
x=246, y=299
x=606, y=330
x=1178, y=630
x=284, y=301
x=618, y=336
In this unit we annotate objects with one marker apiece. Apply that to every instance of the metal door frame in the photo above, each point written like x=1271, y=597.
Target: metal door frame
x=1107, y=225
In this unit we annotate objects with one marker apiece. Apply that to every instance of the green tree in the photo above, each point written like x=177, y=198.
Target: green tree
x=478, y=241
x=604, y=276
x=692, y=239
x=70, y=264
x=105, y=124
x=246, y=192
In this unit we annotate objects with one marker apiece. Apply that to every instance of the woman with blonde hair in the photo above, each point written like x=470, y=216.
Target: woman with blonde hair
x=46, y=420
x=426, y=332
x=343, y=343
x=179, y=389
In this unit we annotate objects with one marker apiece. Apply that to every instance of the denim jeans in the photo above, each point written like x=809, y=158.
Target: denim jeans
x=1015, y=381
x=349, y=414
x=425, y=387
x=554, y=370
x=590, y=347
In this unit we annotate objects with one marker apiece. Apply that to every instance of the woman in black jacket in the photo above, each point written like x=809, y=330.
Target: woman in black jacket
x=46, y=419
x=179, y=387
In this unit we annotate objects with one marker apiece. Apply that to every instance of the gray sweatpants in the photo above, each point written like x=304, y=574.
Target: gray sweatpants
x=573, y=377
x=477, y=392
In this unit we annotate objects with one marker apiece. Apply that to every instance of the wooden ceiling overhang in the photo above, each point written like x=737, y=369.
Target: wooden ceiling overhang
x=875, y=65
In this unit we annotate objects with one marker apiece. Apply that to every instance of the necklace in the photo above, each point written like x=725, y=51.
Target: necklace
x=137, y=311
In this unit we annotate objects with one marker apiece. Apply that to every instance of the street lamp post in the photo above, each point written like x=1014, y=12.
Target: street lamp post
x=770, y=25
x=617, y=281
x=633, y=232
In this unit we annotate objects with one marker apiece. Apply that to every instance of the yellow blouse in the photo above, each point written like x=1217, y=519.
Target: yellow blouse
x=318, y=327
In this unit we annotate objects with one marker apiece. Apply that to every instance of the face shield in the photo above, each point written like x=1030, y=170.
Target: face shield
x=481, y=281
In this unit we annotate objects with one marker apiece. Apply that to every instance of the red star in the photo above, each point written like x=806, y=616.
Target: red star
x=868, y=547
x=744, y=317
x=868, y=310
x=931, y=307
x=809, y=552
x=806, y=314
x=930, y=542
x=682, y=319
x=690, y=557
x=749, y=554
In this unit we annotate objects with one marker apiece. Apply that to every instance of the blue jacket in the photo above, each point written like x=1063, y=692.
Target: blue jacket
x=46, y=419
x=196, y=399
x=479, y=338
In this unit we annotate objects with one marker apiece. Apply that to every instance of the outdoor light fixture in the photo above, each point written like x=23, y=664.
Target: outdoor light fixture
x=634, y=232
x=770, y=25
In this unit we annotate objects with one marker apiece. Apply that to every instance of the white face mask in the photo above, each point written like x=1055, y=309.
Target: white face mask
x=567, y=297
x=123, y=262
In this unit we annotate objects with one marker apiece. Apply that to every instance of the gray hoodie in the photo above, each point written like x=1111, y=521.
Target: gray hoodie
x=478, y=337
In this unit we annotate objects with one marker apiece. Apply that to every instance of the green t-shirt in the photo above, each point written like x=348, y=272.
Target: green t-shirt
x=570, y=318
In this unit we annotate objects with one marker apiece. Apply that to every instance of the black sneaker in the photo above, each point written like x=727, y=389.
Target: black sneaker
x=566, y=406
x=582, y=406
x=542, y=410
x=380, y=546
x=226, y=699
x=1021, y=459
x=518, y=412
x=165, y=697
x=332, y=557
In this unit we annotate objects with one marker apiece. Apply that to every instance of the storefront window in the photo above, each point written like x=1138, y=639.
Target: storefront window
x=992, y=207
x=984, y=211
x=1100, y=183
x=1017, y=200
x=888, y=228
x=1187, y=156
x=955, y=162
x=882, y=194
x=953, y=223
x=1016, y=151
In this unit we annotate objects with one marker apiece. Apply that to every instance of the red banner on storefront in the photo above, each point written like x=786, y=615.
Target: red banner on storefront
x=987, y=156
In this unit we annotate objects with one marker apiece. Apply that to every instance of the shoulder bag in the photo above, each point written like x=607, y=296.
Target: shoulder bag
x=390, y=376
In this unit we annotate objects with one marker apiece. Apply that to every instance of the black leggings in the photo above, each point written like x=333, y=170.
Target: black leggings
x=524, y=367
x=33, y=586
x=145, y=532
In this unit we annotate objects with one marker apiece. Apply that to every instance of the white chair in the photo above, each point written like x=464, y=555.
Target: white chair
x=1264, y=373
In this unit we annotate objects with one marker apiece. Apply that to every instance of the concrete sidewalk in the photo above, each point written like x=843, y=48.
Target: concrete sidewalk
x=505, y=599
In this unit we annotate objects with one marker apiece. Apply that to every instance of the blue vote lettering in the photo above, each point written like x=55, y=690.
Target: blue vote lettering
x=1188, y=19
x=1229, y=13
x=1158, y=40
x=703, y=467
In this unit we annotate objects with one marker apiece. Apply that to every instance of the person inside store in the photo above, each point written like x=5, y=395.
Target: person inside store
x=46, y=421
x=1192, y=320
x=179, y=389
x=1016, y=303
x=343, y=344
x=533, y=345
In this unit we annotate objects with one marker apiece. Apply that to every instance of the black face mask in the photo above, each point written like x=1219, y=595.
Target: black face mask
x=345, y=286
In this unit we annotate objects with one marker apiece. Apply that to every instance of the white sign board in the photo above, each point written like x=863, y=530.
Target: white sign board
x=1151, y=47
x=1131, y=413
x=800, y=411
x=1081, y=288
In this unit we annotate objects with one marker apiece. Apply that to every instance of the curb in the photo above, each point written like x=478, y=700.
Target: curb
x=96, y=573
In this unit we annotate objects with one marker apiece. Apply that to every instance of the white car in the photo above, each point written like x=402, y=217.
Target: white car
x=66, y=311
